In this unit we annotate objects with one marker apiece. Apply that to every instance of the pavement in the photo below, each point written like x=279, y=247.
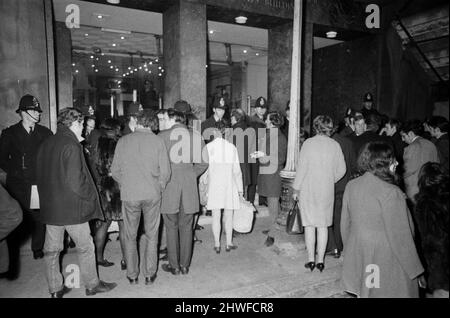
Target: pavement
x=251, y=271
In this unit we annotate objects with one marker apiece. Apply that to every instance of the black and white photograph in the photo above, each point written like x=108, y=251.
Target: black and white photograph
x=224, y=155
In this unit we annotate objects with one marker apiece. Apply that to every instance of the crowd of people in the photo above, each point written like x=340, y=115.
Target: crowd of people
x=372, y=188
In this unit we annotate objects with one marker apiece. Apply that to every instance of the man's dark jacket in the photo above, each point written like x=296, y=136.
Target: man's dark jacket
x=67, y=192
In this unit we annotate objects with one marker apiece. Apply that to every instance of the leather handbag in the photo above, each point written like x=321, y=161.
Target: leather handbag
x=294, y=221
x=243, y=218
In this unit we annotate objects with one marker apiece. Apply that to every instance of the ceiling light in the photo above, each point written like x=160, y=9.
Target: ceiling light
x=99, y=16
x=135, y=69
x=93, y=65
x=111, y=67
x=103, y=54
x=92, y=56
x=96, y=58
x=257, y=54
x=114, y=44
x=122, y=37
x=159, y=67
x=140, y=67
x=113, y=1
x=159, y=74
x=86, y=34
x=162, y=70
x=156, y=60
x=151, y=62
x=117, y=69
x=73, y=64
x=131, y=72
x=241, y=19
x=109, y=61
x=129, y=67
x=331, y=34
x=211, y=31
x=146, y=69
x=96, y=70
x=245, y=51
x=119, y=82
x=76, y=71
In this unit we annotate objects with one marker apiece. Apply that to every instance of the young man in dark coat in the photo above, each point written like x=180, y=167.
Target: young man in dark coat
x=18, y=147
x=69, y=200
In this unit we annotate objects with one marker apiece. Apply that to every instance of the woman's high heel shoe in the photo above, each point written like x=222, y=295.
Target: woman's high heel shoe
x=217, y=249
x=310, y=265
x=320, y=267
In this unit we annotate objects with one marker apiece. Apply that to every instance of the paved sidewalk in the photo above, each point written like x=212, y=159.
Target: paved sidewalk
x=253, y=270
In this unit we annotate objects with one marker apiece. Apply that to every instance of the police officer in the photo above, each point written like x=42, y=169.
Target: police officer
x=18, y=148
x=219, y=110
x=368, y=109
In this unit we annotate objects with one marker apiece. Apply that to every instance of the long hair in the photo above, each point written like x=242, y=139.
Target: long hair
x=433, y=182
x=376, y=157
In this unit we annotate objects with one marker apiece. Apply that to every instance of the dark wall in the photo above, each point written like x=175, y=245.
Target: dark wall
x=342, y=74
x=23, y=57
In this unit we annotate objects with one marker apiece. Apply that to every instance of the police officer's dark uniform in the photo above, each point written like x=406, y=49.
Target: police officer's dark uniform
x=368, y=98
x=18, y=149
x=211, y=121
x=256, y=123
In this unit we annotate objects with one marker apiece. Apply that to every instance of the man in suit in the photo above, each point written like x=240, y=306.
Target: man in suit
x=439, y=131
x=69, y=200
x=419, y=152
x=392, y=130
x=18, y=148
x=141, y=167
x=180, y=198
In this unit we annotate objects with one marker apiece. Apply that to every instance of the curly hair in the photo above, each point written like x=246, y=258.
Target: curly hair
x=376, y=157
x=148, y=119
x=323, y=125
x=69, y=115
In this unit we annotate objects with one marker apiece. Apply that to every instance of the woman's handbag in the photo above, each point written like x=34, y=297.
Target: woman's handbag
x=243, y=218
x=294, y=221
x=203, y=189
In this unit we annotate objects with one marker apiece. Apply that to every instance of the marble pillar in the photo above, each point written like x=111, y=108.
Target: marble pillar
x=184, y=41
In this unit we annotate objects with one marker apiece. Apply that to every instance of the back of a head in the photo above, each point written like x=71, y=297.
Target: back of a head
x=239, y=115
x=376, y=157
x=110, y=124
x=323, y=125
x=69, y=115
x=432, y=177
x=394, y=123
x=439, y=122
x=414, y=126
x=276, y=119
x=177, y=115
x=148, y=119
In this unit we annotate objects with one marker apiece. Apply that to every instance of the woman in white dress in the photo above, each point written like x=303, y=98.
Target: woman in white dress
x=321, y=164
x=224, y=185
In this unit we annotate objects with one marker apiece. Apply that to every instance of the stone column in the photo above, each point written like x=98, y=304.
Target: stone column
x=25, y=48
x=279, y=66
x=63, y=66
x=184, y=41
x=288, y=174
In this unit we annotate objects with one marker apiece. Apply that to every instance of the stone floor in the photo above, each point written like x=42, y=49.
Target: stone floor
x=251, y=271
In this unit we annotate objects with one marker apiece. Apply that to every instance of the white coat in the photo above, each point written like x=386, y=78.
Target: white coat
x=224, y=175
x=321, y=164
